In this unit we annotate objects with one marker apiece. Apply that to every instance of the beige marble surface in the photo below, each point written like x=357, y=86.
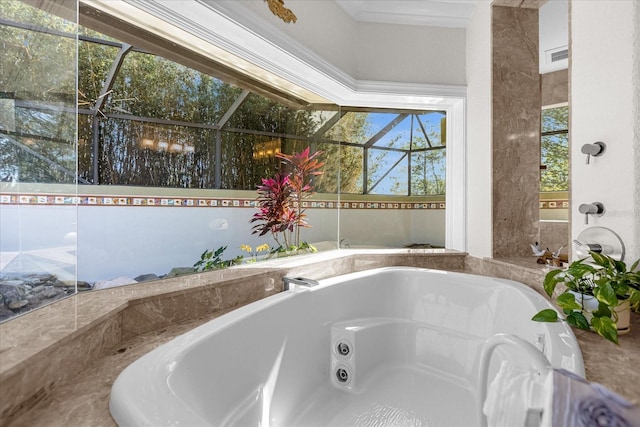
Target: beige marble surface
x=516, y=130
x=84, y=401
x=45, y=348
x=79, y=395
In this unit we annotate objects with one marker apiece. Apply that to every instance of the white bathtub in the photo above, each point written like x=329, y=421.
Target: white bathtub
x=415, y=339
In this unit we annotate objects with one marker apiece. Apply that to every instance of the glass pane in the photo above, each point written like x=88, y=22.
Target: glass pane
x=179, y=93
x=428, y=173
x=555, y=159
x=554, y=119
x=428, y=130
x=135, y=153
x=258, y=113
x=387, y=172
x=360, y=127
x=399, y=134
x=247, y=158
x=342, y=169
x=96, y=61
x=37, y=157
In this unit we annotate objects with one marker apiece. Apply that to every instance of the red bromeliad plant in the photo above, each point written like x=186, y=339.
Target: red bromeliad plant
x=280, y=199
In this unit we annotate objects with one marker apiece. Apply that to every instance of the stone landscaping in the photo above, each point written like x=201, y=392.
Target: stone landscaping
x=23, y=292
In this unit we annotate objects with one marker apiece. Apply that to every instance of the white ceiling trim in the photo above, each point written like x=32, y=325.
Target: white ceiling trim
x=438, y=13
x=238, y=31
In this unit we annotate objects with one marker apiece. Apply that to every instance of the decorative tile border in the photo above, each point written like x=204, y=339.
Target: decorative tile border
x=195, y=202
x=554, y=204
x=212, y=202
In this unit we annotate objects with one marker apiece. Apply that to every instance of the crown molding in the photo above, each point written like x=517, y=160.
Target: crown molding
x=247, y=36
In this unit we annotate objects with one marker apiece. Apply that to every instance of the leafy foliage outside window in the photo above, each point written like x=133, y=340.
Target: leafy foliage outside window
x=554, y=146
x=37, y=97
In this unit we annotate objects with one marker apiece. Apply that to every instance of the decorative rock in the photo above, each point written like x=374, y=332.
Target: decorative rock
x=179, y=271
x=13, y=289
x=16, y=304
x=41, y=277
x=146, y=277
x=22, y=292
x=51, y=292
x=120, y=281
x=84, y=286
x=64, y=284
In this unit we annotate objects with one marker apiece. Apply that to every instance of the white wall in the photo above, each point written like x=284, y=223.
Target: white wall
x=554, y=33
x=396, y=228
x=322, y=26
x=605, y=88
x=405, y=53
x=479, y=145
x=115, y=241
x=365, y=51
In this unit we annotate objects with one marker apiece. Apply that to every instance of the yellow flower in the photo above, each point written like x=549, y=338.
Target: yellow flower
x=246, y=248
x=262, y=248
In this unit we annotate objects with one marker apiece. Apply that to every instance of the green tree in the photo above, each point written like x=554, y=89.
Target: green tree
x=344, y=163
x=37, y=97
x=428, y=167
x=554, y=153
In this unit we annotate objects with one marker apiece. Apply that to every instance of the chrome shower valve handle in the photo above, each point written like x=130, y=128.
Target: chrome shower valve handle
x=596, y=149
x=595, y=208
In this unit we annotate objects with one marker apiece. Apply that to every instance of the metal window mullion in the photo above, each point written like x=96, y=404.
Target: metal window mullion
x=388, y=171
x=424, y=131
x=217, y=164
x=399, y=118
x=365, y=170
x=329, y=123
x=413, y=116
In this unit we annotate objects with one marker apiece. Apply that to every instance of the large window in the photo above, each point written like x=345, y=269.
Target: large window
x=146, y=121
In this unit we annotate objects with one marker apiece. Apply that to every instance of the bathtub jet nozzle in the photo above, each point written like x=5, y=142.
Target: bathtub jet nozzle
x=296, y=282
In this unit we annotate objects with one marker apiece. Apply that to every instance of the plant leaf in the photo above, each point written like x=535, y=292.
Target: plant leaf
x=605, y=294
x=568, y=301
x=606, y=328
x=550, y=281
x=546, y=315
x=578, y=320
x=599, y=259
x=602, y=311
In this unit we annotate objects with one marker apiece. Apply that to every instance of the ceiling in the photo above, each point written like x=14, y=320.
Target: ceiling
x=457, y=13
x=440, y=13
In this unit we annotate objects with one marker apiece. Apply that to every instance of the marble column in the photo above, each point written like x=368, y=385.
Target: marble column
x=516, y=131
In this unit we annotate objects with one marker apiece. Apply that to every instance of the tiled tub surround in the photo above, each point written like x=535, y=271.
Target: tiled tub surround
x=57, y=363
x=45, y=348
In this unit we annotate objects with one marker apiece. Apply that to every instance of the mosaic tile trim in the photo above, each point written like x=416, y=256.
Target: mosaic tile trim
x=554, y=204
x=194, y=202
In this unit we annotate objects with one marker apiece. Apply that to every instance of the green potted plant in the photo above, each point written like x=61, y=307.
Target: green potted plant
x=597, y=291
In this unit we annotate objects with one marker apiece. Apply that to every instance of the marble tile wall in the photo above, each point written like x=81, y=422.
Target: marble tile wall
x=554, y=87
x=516, y=130
x=554, y=234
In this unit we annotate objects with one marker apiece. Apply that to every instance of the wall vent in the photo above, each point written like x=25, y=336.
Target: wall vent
x=562, y=54
x=557, y=54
